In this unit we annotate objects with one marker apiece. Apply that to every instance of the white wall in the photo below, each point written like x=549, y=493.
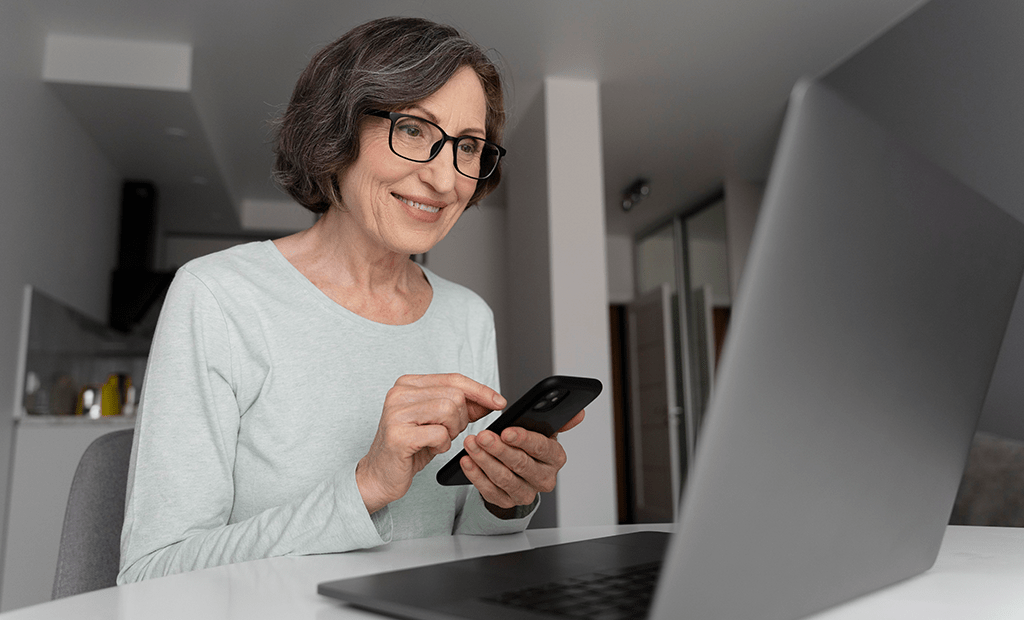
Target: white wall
x=473, y=255
x=621, y=287
x=43, y=468
x=742, y=205
x=709, y=267
x=558, y=281
x=579, y=293
x=60, y=199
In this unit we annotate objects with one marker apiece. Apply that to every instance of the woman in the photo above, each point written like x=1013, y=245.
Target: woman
x=301, y=393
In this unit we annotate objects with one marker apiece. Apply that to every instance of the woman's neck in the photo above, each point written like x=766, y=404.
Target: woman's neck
x=362, y=276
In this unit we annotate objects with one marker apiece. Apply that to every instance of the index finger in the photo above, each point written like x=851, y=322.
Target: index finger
x=480, y=399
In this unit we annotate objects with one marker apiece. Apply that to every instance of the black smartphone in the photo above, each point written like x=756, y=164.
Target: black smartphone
x=547, y=407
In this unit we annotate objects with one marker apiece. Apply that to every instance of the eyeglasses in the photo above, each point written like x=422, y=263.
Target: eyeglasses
x=420, y=140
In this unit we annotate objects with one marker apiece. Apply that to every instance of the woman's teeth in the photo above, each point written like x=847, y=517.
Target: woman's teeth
x=420, y=206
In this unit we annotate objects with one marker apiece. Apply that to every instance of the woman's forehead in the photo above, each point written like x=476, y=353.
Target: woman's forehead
x=458, y=106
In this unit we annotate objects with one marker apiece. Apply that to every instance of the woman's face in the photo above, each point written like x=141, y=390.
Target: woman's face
x=407, y=207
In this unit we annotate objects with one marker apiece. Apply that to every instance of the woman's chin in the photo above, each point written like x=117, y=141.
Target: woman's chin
x=413, y=248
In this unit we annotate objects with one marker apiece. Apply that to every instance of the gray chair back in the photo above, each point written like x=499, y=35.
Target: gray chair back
x=90, y=541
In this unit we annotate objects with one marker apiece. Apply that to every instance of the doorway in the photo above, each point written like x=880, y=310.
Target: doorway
x=671, y=343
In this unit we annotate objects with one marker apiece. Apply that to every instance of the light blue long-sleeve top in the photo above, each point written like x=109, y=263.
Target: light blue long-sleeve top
x=261, y=395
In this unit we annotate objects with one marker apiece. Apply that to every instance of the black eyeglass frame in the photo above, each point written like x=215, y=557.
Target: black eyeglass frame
x=438, y=146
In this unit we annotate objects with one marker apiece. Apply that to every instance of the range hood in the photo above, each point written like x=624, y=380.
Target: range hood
x=137, y=289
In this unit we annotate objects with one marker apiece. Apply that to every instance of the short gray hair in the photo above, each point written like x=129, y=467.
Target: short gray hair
x=385, y=64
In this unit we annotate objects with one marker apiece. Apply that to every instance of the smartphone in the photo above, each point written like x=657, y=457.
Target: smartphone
x=547, y=407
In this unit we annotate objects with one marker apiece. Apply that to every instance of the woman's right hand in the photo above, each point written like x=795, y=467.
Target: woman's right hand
x=422, y=415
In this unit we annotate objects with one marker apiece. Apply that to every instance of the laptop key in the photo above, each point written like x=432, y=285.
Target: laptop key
x=605, y=595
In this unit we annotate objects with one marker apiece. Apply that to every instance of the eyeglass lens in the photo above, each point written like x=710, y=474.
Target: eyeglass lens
x=420, y=140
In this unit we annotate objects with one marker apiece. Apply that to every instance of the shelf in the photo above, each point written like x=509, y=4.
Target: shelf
x=74, y=420
x=64, y=353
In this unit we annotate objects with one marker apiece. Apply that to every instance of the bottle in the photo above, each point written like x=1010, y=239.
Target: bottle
x=110, y=399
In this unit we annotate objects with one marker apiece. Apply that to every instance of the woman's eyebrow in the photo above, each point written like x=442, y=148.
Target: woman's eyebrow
x=427, y=114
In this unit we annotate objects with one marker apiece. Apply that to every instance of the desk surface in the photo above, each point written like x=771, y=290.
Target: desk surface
x=979, y=574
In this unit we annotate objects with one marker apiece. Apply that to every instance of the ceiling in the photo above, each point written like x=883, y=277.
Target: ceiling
x=692, y=91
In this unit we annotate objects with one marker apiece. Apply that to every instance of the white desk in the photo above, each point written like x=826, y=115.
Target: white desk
x=979, y=574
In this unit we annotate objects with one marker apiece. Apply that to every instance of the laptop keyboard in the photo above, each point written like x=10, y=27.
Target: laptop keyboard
x=606, y=595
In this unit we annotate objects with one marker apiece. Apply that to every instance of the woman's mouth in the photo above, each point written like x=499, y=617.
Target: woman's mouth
x=417, y=205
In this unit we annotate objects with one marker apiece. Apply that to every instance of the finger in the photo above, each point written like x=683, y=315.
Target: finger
x=405, y=394
x=498, y=472
x=488, y=490
x=413, y=438
x=538, y=449
x=445, y=412
x=537, y=474
x=430, y=405
x=483, y=399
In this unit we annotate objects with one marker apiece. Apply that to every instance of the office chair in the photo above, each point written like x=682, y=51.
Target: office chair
x=992, y=489
x=90, y=541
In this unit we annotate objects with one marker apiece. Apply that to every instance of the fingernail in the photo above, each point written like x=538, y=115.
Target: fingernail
x=485, y=438
x=510, y=435
x=500, y=401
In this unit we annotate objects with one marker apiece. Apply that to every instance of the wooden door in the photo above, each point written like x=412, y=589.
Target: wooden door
x=654, y=410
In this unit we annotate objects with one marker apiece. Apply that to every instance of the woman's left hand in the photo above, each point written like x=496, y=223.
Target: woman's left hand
x=511, y=469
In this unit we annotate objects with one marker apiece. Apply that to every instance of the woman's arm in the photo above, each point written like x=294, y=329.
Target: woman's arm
x=181, y=485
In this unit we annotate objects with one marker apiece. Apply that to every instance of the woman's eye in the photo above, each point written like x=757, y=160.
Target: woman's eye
x=469, y=147
x=410, y=129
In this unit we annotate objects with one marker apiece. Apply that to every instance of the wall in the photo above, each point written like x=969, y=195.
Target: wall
x=579, y=293
x=474, y=255
x=742, y=205
x=43, y=467
x=946, y=80
x=558, y=282
x=59, y=196
x=619, y=252
x=528, y=270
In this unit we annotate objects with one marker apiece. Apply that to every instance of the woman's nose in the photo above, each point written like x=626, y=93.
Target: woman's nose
x=440, y=172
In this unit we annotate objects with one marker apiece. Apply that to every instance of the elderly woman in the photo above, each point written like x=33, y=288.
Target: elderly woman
x=301, y=393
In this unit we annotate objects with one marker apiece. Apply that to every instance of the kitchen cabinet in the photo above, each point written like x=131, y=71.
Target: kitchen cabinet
x=46, y=453
x=66, y=359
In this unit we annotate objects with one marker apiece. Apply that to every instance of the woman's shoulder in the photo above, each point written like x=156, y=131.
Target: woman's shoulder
x=246, y=271
x=245, y=257
x=456, y=298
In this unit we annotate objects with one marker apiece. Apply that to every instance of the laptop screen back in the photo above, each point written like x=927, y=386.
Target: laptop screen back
x=867, y=325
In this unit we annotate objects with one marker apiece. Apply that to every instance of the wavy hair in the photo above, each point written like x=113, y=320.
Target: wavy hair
x=389, y=64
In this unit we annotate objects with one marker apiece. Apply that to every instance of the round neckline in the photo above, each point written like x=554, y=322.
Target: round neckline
x=334, y=307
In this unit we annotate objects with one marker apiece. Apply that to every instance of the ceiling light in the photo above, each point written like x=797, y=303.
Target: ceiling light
x=637, y=191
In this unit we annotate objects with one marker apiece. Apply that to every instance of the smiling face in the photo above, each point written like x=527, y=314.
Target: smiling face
x=406, y=207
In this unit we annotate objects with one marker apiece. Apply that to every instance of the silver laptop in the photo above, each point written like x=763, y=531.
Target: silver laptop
x=866, y=329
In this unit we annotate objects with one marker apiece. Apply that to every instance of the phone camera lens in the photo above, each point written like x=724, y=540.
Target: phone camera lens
x=549, y=400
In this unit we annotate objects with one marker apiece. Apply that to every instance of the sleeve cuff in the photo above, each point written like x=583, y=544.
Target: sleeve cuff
x=476, y=519
x=365, y=530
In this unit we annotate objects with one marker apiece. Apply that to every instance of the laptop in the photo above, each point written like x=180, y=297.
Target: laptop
x=863, y=339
